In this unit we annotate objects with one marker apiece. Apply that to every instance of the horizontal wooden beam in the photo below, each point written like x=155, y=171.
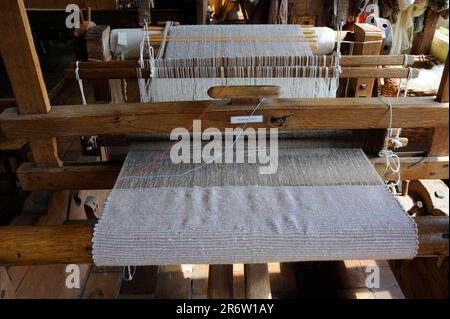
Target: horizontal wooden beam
x=163, y=117
x=131, y=73
x=64, y=244
x=59, y=244
x=101, y=176
x=346, y=60
x=413, y=168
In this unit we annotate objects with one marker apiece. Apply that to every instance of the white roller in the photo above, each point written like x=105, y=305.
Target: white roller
x=127, y=41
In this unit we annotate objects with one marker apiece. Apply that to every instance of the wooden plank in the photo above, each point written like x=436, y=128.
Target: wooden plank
x=368, y=41
x=201, y=11
x=103, y=176
x=163, y=117
x=412, y=168
x=220, y=282
x=442, y=95
x=439, y=142
x=257, y=281
x=97, y=46
x=68, y=177
x=24, y=72
x=244, y=91
x=45, y=152
x=422, y=41
x=21, y=60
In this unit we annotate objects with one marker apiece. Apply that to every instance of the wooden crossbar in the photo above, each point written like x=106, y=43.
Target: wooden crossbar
x=163, y=117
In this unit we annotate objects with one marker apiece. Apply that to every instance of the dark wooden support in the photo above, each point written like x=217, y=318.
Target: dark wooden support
x=439, y=144
x=220, y=282
x=25, y=74
x=257, y=281
x=103, y=176
x=202, y=11
x=363, y=87
x=97, y=44
x=422, y=41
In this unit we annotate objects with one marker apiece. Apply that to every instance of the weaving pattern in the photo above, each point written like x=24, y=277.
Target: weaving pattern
x=322, y=204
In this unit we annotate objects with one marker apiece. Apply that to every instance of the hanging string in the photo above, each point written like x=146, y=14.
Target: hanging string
x=80, y=83
x=392, y=161
x=128, y=274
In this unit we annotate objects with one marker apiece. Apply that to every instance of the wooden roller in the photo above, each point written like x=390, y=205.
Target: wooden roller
x=63, y=244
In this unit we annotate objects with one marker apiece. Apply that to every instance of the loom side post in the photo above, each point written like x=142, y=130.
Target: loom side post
x=97, y=45
x=25, y=74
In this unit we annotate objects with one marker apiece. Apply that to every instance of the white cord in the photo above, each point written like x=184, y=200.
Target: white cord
x=392, y=160
x=128, y=275
x=80, y=83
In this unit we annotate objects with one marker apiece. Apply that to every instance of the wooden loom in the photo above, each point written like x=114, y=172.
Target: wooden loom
x=42, y=123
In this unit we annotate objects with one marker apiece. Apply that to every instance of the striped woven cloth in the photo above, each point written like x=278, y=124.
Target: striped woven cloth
x=322, y=204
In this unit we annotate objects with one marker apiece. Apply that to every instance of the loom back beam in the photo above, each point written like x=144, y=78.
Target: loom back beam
x=64, y=244
x=127, y=41
x=346, y=72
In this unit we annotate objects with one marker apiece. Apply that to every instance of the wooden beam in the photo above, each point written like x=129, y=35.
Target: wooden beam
x=422, y=41
x=201, y=11
x=60, y=244
x=64, y=244
x=346, y=60
x=25, y=74
x=412, y=168
x=102, y=176
x=97, y=46
x=368, y=40
x=257, y=281
x=163, y=117
x=442, y=95
x=99, y=176
x=220, y=282
x=433, y=235
x=439, y=142
x=346, y=72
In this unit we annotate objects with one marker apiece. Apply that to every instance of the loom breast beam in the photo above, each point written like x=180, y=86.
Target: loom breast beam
x=24, y=72
x=162, y=117
x=62, y=244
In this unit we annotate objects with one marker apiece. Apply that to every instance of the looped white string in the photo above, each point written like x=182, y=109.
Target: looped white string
x=80, y=83
x=128, y=274
x=392, y=161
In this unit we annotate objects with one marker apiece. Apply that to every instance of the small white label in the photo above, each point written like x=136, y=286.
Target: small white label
x=246, y=119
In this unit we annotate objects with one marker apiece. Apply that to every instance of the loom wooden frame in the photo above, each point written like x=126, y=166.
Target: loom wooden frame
x=36, y=119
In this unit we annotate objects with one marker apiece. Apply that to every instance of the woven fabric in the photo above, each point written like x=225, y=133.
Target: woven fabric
x=322, y=204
